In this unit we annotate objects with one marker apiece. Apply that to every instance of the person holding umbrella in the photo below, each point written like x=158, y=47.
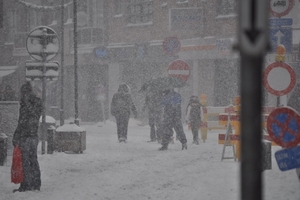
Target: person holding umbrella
x=172, y=119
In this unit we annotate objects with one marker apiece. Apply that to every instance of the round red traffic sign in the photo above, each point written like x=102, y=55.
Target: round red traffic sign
x=281, y=8
x=283, y=125
x=179, y=69
x=279, y=78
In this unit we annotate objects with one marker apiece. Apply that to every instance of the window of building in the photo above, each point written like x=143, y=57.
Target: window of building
x=90, y=22
x=164, y=3
x=140, y=11
x=227, y=7
x=90, y=13
x=20, y=22
x=118, y=7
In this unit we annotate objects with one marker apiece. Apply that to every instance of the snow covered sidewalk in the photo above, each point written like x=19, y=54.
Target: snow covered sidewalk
x=136, y=170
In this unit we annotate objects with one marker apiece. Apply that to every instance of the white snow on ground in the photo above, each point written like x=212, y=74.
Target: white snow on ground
x=108, y=170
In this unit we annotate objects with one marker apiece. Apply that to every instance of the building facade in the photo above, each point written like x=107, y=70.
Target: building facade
x=125, y=41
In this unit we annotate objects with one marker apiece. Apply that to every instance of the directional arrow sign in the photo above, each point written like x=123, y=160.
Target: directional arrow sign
x=281, y=35
x=253, y=25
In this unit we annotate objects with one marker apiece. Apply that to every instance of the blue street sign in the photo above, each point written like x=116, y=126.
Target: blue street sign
x=288, y=158
x=281, y=35
x=100, y=52
x=280, y=21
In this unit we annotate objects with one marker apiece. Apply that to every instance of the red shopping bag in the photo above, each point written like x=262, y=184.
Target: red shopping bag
x=16, y=167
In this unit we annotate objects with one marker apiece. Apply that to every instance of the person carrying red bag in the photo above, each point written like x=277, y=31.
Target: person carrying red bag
x=26, y=137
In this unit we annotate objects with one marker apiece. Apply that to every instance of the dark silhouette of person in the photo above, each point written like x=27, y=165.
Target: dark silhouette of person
x=172, y=119
x=120, y=108
x=153, y=102
x=26, y=137
x=194, y=115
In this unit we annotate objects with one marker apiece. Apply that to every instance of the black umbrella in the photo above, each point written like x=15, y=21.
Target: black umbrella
x=162, y=83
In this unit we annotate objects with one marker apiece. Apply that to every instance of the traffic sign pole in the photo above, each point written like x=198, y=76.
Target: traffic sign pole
x=252, y=44
x=44, y=55
x=42, y=45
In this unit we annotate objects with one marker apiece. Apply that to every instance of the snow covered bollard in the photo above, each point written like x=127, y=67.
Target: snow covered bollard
x=50, y=139
x=70, y=137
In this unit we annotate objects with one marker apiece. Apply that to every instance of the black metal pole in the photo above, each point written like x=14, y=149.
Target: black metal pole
x=44, y=91
x=75, y=62
x=62, y=117
x=251, y=127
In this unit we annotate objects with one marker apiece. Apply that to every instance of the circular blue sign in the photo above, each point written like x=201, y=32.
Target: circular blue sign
x=171, y=45
x=283, y=125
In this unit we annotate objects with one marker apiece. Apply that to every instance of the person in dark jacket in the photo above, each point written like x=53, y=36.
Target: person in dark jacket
x=26, y=137
x=172, y=119
x=194, y=115
x=120, y=108
x=153, y=103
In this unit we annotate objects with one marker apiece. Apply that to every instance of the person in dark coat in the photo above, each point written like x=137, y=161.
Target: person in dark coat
x=153, y=103
x=194, y=115
x=120, y=108
x=172, y=119
x=26, y=137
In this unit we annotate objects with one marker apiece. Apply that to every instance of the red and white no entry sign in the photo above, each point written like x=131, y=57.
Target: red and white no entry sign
x=179, y=69
x=279, y=78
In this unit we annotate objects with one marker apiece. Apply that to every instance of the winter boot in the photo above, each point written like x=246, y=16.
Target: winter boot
x=163, y=147
x=184, y=146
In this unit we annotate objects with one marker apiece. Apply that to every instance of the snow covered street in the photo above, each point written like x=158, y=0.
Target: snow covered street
x=136, y=170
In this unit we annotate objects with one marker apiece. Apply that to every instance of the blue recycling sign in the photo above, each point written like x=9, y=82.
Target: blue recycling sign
x=288, y=158
x=281, y=35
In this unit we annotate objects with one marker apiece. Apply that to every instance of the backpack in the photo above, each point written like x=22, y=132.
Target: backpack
x=195, y=112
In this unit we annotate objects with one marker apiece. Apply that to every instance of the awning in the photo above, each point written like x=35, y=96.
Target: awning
x=6, y=70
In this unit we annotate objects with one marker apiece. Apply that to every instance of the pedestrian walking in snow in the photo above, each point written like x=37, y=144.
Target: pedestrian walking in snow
x=194, y=116
x=153, y=103
x=121, y=105
x=26, y=137
x=172, y=119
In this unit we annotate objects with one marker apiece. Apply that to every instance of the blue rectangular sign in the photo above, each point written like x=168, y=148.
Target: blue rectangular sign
x=288, y=158
x=281, y=21
x=281, y=35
